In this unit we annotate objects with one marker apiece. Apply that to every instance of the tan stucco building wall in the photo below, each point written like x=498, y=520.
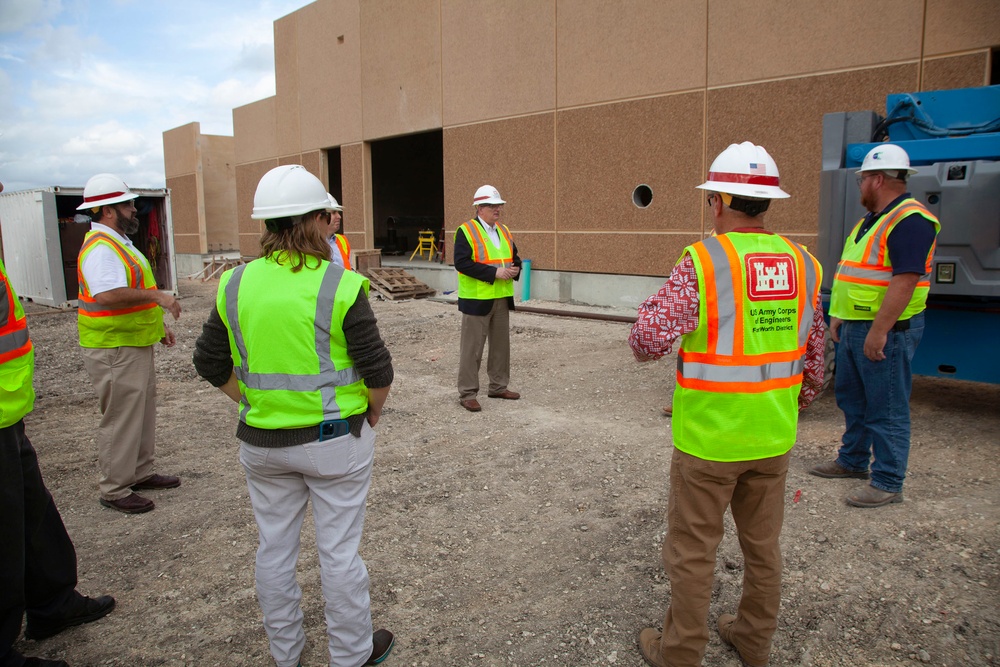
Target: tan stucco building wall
x=567, y=105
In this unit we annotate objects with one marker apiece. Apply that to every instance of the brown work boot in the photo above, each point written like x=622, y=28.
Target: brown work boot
x=869, y=496
x=649, y=647
x=725, y=625
x=833, y=470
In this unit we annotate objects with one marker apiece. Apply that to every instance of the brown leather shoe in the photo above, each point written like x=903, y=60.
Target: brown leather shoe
x=833, y=470
x=471, y=404
x=649, y=647
x=130, y=504
x=869, y=496
x=668, y=410
x=157, y=482
x=725, y=625
x=506, y=393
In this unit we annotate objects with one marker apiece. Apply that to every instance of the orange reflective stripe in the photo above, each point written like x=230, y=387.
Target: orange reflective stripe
x=739, y=387
x=751, y=360
x=711, y=299
x=91, y=308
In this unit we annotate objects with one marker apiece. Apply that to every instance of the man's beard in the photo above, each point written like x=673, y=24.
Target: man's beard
x=128, y=225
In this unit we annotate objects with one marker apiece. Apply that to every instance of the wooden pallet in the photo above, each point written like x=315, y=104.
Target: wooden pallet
x=394, y=283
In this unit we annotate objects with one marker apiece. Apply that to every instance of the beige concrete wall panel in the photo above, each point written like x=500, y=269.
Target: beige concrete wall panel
x=312, y=160
x=750, y=41
x=286, y=84
x=353, y=185
x=400, y=67
x=539, y=247
x=180, y=150
x=329, y=63
x=498, y=58
x=516, y=156
x=247, y=177
x=219, y=179
x=254, y=131
x=184, y=213
x=957, y=72
x=357, y=240
x=605, y=151
x=632, y=254
x=961, y=25
x=616, y=50
x=786, y=117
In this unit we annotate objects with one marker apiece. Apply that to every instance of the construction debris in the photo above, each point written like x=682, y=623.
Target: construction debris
x=394, y=284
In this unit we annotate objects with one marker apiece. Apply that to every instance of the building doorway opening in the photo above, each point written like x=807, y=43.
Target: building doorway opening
x=407, y=190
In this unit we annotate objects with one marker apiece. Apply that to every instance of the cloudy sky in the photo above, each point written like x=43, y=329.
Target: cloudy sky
x=88, y=86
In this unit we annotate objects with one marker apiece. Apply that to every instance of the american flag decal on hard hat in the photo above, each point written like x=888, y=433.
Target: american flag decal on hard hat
x=757, y=168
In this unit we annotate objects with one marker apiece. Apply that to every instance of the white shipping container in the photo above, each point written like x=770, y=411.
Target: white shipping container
x=41, y=241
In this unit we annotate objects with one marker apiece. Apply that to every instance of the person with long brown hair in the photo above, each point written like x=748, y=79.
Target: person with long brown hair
x=294, y=341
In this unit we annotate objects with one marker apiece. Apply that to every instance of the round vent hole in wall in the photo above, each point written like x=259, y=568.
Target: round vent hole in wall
x=642, y=196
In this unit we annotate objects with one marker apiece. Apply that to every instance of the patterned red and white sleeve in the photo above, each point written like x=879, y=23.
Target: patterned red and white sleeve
x=815, y=363
x=667, y=315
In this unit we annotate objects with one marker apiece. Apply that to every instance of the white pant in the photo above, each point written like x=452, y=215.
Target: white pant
x=335, y=474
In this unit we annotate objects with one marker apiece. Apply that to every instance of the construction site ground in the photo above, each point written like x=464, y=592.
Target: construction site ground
x=527, y=534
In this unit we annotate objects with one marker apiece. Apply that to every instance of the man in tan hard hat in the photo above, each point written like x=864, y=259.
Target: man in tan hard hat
x=119, y=322
x=877, y=317
x=740, y=384
x=487, y=263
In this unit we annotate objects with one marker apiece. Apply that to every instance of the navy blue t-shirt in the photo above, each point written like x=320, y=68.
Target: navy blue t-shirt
x=909, y=242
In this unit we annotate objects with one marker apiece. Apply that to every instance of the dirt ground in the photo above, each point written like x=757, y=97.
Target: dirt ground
x=528, y=534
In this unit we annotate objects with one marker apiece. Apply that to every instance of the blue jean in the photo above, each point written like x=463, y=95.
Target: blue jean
x=875, y=399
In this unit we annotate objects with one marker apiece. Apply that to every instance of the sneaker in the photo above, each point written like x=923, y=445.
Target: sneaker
x=869, y=496
x=833, y=470
x=382, y=642
x=649, y=647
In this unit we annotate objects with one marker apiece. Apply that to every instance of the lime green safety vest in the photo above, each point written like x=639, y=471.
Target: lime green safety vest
x=286, y=335
x=132, y=326
x=864, y=271
x=739, y=373
x=17, y=357
x=484, y=252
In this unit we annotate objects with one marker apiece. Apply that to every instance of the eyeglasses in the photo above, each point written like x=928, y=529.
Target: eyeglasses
x=861, y=177
x=495, y=207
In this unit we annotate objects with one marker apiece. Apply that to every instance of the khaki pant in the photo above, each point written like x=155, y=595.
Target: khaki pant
x=125, y=381
x=476, y=329
x=700, y=491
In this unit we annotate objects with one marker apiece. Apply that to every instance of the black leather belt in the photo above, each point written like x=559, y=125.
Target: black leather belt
x=901, y=325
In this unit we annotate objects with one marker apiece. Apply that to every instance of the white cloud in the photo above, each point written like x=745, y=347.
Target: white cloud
x=18, y=14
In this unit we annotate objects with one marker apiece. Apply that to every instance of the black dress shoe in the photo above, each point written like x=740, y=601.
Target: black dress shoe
x=81, y=610
x=42, y=662
x=382, y=641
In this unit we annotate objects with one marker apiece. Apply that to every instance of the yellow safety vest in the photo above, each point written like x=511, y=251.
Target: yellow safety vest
x=739, y=373
x=286, y=336
x=864, y=270
x=17, y=357
x=344, y=246
x=132, y=326
x=484, y=252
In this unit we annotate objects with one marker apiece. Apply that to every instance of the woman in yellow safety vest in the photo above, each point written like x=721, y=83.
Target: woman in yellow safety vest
x=294, y=341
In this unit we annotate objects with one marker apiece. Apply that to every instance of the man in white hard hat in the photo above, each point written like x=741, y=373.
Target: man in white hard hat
x=487, y=263
x=119, y=321
x=745, y=306
x=877, y=317
x=340, y=247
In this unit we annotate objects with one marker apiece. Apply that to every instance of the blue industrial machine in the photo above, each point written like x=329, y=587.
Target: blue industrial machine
x=953, y=140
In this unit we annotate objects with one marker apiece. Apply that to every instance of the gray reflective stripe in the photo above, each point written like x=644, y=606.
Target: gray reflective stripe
x=13, y=340
x=724, y=295
x=4, y=303
x=867, y=274
x=806, y=317
x=760, y=373
x=328, y=378
x=476, y=240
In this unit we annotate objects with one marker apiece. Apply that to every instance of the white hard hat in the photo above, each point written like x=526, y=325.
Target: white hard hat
x=104, y=189
x=287, y=191
x=886, y=157
x=745, y=170
x=334, y=205
x=487, y=195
